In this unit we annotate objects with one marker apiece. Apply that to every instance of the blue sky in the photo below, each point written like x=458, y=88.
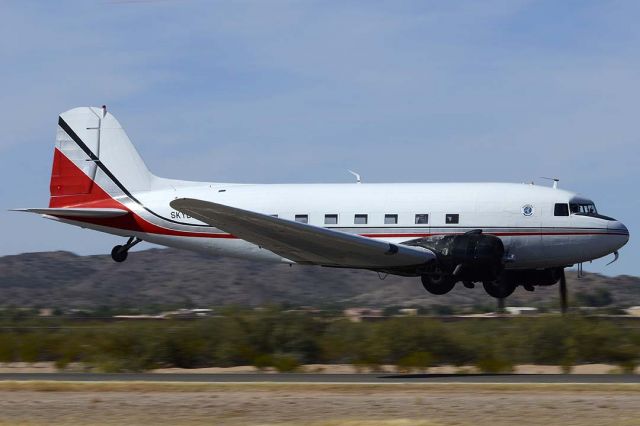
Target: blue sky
x=301, y=91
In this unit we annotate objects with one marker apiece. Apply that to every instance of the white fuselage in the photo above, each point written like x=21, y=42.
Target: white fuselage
x=522, y=215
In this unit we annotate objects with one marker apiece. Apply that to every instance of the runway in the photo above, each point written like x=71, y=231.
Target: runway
x=326, y=378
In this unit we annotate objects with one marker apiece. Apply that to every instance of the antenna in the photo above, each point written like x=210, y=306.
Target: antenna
x=104, y=110
x=358, y=180
x=555, y=181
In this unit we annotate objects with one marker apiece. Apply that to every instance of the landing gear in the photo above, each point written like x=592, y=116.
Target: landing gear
x=500, y=288
x=438, y=283
x=120, y=253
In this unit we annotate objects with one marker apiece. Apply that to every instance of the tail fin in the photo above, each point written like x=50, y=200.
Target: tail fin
x=94, y=160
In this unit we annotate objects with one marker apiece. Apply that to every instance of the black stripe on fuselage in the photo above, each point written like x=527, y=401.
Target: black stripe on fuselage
x=69, y=131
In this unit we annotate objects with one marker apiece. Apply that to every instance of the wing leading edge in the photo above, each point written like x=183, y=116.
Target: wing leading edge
x=301, y=242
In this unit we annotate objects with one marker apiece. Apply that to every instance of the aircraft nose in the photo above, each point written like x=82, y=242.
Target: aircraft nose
x=617, y=228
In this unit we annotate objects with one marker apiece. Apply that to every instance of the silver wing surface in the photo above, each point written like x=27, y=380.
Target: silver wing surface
x=301, y=242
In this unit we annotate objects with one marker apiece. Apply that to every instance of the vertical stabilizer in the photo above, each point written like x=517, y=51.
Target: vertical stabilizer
x=93, y=150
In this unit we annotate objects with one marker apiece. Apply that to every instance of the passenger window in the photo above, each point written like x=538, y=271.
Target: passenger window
x=561, y=210
x=422, y=218
x=302, y=218
x=360, y=219
x=390, y=219
x=452, y=218
x=330, y=219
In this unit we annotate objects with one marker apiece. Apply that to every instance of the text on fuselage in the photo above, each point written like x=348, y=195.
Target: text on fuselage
x=178, y=215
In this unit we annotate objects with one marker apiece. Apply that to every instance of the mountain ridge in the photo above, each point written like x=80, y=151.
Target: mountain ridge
x=171, y=277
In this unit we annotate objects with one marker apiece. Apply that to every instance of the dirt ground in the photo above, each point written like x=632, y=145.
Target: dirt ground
x=320, y=405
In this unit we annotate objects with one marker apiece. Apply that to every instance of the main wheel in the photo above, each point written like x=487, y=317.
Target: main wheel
x=119, y=255
x=499, y=288
x=438, y=283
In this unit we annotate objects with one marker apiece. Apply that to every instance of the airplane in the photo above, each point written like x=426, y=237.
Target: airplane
x=502, y=235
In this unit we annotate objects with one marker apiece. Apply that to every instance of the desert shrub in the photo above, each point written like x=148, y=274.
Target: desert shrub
x=263, y=361
x=494, y=364
x=625, y=356
x=241, y=337
x=285, y=363
x=8, y=350
x=30, y=347
x=416, y=361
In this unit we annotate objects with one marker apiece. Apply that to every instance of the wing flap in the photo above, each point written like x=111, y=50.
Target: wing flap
x=76, y=212
x=302, y=242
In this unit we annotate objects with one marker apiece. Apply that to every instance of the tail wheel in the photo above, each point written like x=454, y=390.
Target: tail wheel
x=119, y=254
x=499, y=288
x=438, y=283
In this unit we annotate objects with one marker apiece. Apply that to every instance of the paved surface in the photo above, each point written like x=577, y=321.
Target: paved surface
x=330, y=378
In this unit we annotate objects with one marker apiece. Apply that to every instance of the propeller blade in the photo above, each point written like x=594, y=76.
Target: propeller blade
x=616, y=255
x=563, y=292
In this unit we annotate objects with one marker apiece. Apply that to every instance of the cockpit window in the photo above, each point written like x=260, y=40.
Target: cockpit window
x=583, y=208
x=586, y=208
x=561, y=209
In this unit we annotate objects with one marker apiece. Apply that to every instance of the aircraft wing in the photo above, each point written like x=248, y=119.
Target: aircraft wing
x=76, y=212
x=301, y=242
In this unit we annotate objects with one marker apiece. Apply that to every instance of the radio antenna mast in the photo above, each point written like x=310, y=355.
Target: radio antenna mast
x=555, y=181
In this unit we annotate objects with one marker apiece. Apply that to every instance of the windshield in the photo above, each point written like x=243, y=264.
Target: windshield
x=584, y=208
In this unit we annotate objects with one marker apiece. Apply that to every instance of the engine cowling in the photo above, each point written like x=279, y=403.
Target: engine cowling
x=471, y=256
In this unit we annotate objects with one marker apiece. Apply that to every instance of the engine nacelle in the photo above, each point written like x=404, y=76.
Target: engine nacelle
x=471, y=256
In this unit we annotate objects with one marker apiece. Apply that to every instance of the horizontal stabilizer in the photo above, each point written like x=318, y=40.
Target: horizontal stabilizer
x=76, y=212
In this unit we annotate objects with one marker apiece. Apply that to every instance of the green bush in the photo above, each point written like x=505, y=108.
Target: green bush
x=263, y=361
x=242, y=337
x=416, y=361
x=285, y=363
x=494, y=365
x=625, y=356
x=8, y=346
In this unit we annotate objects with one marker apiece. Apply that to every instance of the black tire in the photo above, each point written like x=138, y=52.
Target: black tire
x=438, y=284
x=499, y=288
x=119, y=255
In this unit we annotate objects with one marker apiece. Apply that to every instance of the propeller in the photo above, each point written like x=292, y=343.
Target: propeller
x=563, y=292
